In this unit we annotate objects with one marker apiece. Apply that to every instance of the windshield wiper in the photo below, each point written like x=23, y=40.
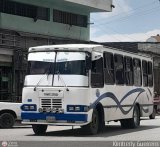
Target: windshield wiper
x=45, y=74
x=60, y=77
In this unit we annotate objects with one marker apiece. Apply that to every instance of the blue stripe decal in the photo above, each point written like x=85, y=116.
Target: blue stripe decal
x=113, y=97
x=149, y=92
x=147, y=96
x=66, y=117
x=145, y=110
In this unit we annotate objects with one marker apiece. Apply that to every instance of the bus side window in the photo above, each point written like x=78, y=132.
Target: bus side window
x=145, y=73
x=137, y=72
x=119, y=69
x=150, y=74
x=97, y=76
x=128, y=71
x=109, y=68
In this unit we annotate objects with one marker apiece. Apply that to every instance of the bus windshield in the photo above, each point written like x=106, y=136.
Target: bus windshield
x=67, y=63
x=63, y=68
x=71, y=68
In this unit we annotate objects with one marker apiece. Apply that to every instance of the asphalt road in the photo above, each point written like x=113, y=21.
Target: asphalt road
x=113, y=135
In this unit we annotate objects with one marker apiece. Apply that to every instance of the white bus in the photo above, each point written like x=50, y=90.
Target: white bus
x=86, y=85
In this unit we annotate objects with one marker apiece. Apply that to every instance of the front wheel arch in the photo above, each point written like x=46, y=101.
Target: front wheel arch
x=9, y=111
x=133, y=122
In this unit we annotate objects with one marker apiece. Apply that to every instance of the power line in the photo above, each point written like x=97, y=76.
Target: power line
x=104, y=30
x=115, y=31
x=122, y=19
x=116, y=38
x=133, y=10
x=126, y=17
x=142, y=6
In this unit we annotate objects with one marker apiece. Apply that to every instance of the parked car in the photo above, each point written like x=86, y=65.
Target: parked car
x=9, y=113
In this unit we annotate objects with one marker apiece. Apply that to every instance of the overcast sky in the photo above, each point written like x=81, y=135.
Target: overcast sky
x=130, y=20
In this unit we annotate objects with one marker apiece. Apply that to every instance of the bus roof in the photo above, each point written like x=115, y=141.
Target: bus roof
x=84, y=47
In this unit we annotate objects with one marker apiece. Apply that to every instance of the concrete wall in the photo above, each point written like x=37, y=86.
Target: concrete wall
x=149, y=47
x=6, y=55
x=100, y=5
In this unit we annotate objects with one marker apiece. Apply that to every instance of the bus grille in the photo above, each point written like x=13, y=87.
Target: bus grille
x=51, y=103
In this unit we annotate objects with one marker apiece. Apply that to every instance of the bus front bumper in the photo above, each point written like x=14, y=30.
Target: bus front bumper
x=54, y=119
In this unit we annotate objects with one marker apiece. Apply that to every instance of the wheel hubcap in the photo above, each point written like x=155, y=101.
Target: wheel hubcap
x=6, y=121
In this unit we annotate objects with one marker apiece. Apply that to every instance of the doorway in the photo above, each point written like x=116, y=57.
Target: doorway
x=5, y=83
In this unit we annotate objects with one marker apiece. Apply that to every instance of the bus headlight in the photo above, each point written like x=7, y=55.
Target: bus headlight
x=32, y=107
x=29, y=107
x=77, y=108
x=26, y=107
x=70, y=108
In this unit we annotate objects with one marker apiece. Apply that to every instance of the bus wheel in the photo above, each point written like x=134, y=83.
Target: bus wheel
x=7, y=120
x=39, y=129
x=133, y=122
x=153, y=115
x=93, y=127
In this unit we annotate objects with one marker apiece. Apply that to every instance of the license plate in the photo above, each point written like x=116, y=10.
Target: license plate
x=50, y=119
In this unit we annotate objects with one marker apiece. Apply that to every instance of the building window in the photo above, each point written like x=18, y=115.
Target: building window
x=5, y=83
x=69, y=18
x=128, y=71
x=137, y=72
x=43, y=13
x=26, y=10
x=97, y=76
x=119, y=69
x=109, y=68
x=150, y=74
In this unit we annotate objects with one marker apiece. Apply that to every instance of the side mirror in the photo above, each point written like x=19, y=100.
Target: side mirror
x=88, y=62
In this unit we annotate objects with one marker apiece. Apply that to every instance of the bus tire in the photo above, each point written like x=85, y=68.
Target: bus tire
x=133, y=122
x=100, y=110
x=153, y=115
x=7, y=120
x=39, y=129
x=93, y=127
